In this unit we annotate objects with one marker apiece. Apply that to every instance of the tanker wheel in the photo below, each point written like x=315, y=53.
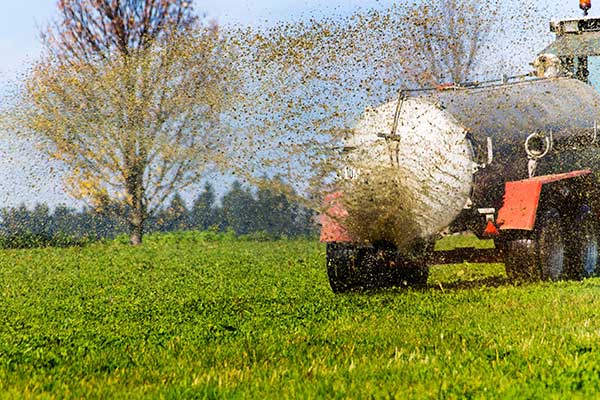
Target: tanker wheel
x=382, y=266
x=415, y=275
x=520, y=260
x=356, y=267
x=359, y=267
x=377, y=266
x=582, y=245
x=542, y=256
x=551, y=245
x=413, y=271
x=341, y=266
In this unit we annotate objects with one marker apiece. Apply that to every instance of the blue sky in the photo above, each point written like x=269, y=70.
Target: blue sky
x=20, y=21
x=25, y=178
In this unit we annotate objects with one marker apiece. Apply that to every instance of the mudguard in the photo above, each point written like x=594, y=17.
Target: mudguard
x=521, y=199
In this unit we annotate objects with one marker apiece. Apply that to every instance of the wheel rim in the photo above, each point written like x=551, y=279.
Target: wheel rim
x=590, y=257
x=589, y=252
x=552, y=248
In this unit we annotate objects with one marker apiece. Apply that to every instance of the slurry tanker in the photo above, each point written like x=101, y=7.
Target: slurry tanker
x=516, y=161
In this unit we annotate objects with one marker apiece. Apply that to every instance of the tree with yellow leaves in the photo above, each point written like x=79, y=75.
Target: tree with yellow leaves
x=128, y=95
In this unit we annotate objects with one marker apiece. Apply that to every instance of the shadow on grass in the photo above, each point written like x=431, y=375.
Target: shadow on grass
x=459, y=282
x=465, y=276
x=456, y=277
x=491, y=282
x=456, y=285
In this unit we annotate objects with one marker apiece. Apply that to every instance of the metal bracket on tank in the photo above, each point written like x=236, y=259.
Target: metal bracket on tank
x=534, y=154
x=393, y=136
x=490, y=155
x=401, y=98
x=490, y=151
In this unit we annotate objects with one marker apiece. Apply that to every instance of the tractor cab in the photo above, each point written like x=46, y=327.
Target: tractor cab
x=577, y=46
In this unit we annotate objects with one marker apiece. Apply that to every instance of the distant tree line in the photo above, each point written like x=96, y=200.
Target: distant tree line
x=242, y=210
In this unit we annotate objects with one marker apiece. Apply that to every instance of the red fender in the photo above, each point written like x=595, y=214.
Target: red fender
x=521, y=199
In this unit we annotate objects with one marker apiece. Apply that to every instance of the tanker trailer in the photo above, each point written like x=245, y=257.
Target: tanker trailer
x=512, y=161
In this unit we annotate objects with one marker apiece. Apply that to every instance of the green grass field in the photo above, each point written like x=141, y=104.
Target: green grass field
x=183, y=318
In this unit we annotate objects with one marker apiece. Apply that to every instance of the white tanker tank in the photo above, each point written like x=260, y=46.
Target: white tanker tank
x=428, y=150
x=454, y=150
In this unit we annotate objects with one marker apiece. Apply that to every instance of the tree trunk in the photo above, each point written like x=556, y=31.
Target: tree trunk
x=136, y=226
x=137, y=215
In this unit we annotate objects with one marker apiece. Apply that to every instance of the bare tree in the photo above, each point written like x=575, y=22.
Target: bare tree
x=89, y=29
x=441, y=41
x=129, y=97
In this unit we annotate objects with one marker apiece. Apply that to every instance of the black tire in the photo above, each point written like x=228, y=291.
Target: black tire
x=377, y=267
x=520, y=260
x=414, y=276
x=542, y=256
x=351, y=267
x=551, y=246
x=413, y=270
x=582, y=245
x=341, y=266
